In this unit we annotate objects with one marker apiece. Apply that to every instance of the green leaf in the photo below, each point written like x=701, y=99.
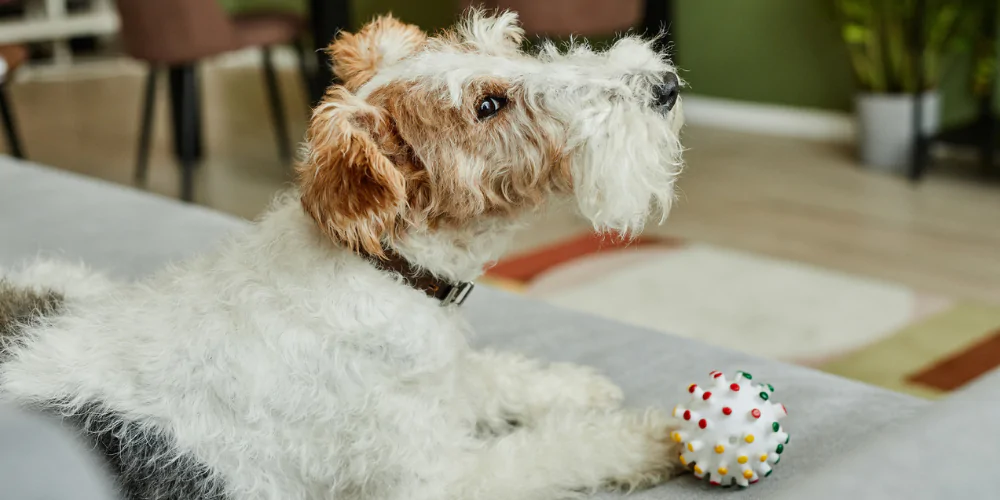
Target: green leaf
x=856, y=33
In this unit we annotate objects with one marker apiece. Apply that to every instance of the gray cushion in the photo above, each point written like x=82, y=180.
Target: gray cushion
x=39, y=460
x=122, y=230
x=948, y=451
x=132, y=234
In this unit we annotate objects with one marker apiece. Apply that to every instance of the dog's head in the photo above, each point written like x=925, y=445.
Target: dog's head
x=448, y=131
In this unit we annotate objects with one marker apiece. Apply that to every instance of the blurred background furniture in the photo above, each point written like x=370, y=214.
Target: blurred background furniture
x=979, y=133
x=58, y=21
x=11, y=57
x=560, y=18
x=175, y=36
x=327, y=18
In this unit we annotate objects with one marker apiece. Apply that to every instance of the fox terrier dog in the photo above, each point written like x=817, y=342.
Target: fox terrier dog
x=321, y=353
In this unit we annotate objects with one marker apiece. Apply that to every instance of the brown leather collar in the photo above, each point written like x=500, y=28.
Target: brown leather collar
x=445, y=291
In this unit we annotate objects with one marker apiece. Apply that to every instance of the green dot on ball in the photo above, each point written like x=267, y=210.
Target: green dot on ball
x=769, y=472
x=763, y=395
x=780, y=449
x=747, y=375
x=771, y=387
x=787, y=438
x=775, y=426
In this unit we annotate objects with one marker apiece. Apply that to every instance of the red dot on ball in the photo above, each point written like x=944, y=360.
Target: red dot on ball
x=727, y=410
x=754, y=481
x=755, y=412
x=716, y=375
x=784, y=409
x=691, y=388
x=703, y=423
x=706, y=396
x=735, y=387
x=687, y=414
x=714, y=483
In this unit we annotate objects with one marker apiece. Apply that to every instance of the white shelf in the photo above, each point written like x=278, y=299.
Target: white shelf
x=37, y=30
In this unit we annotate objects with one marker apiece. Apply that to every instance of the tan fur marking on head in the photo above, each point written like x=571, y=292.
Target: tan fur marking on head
x=349, y=187
x=464, y=168
x=358, y=56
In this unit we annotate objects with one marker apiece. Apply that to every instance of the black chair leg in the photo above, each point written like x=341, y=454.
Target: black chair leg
x=327, y=18
x=277, y=111
x=308, y=78
x=199, y=135
x=10, y=129
x=146, y=129
x=185, y=114
x=656, y=19
x=987, y=149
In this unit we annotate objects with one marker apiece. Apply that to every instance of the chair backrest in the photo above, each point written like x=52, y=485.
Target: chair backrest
x=175, y=31
x=569, y=17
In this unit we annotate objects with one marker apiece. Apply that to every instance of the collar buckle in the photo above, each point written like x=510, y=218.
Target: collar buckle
x=458, y=294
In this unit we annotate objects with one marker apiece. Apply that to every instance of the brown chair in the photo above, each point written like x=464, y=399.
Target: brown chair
x=176, y=34
x=13, y=56
x=585, y=17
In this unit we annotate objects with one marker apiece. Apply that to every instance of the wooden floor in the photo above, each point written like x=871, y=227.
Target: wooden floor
x=786, y=198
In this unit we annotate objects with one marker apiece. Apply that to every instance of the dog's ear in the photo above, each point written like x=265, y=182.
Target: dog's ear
x=358, y=56
x=349, y=186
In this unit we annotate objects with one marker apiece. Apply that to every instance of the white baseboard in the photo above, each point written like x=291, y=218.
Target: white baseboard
x=769, y=119
x=94, y=68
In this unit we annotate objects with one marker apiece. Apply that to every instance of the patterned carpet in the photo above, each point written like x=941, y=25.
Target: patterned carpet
x=881, y=333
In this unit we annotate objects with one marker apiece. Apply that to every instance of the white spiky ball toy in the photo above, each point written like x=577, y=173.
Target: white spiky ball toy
x=730, y=430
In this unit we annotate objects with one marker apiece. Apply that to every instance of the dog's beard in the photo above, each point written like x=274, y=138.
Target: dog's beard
x=626, y=161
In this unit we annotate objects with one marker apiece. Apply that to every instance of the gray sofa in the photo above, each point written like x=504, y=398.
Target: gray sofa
x=847, y=439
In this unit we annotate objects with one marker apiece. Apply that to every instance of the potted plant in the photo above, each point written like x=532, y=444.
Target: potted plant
x=882, y=41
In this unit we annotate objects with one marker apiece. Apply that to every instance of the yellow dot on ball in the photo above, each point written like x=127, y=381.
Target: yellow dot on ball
x=683, y=460
x=723, y=471
x=742, y=459
x=748, y=473
x=690, y=447
x=719, y=448
x=749, y=438
x=676, y=436
x=697, y=470
x=675, y=412
x=763, y=458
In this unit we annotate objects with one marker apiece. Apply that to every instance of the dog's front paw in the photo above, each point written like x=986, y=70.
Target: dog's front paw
x=585, y=388
x=658, y=455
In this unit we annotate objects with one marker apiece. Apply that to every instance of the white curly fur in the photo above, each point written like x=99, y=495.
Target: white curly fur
x=294, y=369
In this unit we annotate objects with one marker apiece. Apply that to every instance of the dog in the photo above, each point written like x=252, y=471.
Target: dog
x=321, y=353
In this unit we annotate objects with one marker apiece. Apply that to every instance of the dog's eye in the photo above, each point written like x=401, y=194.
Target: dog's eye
x=489, y=106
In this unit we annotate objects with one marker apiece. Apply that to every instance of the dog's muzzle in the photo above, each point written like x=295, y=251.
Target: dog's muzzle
x=665, y=94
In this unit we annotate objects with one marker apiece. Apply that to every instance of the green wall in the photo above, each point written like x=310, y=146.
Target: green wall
x=768, y=51
x=773, y=51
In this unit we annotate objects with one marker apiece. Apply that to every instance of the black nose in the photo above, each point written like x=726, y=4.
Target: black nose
x=665, y=94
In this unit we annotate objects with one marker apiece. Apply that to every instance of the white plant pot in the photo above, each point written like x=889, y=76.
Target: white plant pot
x=885, y=128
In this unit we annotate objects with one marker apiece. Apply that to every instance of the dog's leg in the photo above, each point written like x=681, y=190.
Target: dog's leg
x=510, y=388
x=567, y=452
